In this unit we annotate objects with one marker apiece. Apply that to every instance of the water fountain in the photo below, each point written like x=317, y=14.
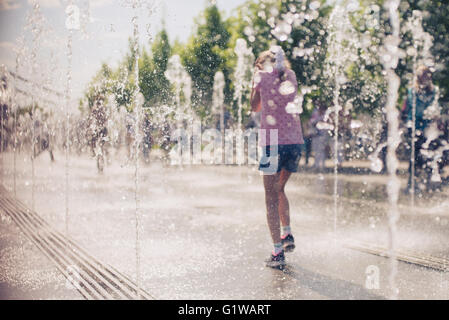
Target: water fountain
x=420, y=51
x=138, y=102
x=183, y=112
x=376, y=164
x=72, y=23
x=85, y=17
x=242, y=80
x=218, y=103
x=342, y=49
x=182, y=84
x=432, y=133
x=35, y=23
x=390, y=55
x=218, y=98
x=15, y=106
x=6, y=100
x=242, y=76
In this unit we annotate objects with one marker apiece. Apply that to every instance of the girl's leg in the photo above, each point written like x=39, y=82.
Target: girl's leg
x=272, y=203
x=283, y=206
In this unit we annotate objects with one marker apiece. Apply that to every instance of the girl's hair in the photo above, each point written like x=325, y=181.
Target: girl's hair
x=277, y=58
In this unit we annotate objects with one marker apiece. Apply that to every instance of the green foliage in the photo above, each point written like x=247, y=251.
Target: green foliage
x=204, y=55
x=100, y=85
x=130, y=58
x=153, y=84
x=251, y=24
x=366, y=85
x=211, y=48
x=309, y=34
x=121, y=83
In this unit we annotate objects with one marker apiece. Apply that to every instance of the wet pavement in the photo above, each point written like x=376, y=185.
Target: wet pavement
x=204, y=233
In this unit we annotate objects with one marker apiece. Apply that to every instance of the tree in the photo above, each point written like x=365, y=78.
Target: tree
x=366, y=85
x=250, y=22
x=306, y=47
x=100, y=85
x=153, y=84
x=204, y=55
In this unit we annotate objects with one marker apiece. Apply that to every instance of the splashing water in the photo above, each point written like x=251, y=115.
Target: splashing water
x=286, y=88
x=35, y=22
x=85, y=17
x=72, y=23
x=218, y=103
x=376, y=164
x=218, y=96
x=138, y=102
x=422, y=42
x=5, y=100
x=15, y=105
x=420, y=50
x=390, y=55
x=182, y=82
x=342, y=50
x=242, y=75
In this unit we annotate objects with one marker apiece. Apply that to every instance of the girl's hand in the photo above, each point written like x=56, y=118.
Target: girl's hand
x=258, y=64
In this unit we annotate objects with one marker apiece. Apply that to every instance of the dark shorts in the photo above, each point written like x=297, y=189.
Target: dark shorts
x=287, y=158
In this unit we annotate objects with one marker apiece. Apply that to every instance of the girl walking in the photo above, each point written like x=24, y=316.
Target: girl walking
x=274, y=92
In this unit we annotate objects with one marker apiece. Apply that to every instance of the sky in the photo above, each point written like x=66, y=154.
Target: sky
x=102, y=38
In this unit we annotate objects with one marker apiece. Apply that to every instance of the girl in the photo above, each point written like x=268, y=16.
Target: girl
x=274, y=92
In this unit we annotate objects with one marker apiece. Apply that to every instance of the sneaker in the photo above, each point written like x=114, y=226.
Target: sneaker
x=276, y=261
x=288, y=242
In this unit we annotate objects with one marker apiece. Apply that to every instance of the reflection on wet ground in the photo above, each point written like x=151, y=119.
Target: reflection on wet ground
x=329, y=287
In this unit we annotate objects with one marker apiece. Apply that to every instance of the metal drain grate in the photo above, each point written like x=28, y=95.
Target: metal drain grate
x=93, y=280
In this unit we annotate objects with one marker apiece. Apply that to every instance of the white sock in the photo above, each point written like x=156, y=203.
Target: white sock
x=286, y=230
x=277, y=248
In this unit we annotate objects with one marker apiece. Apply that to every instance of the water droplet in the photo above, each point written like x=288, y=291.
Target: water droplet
x=376, y=165
x=292, y=108
x=321, y=125
x=314, y=5
x=271, y=120
x=286, y=88
x=282, y=31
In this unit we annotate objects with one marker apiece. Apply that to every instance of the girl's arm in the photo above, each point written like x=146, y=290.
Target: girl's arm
x=255, y=101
